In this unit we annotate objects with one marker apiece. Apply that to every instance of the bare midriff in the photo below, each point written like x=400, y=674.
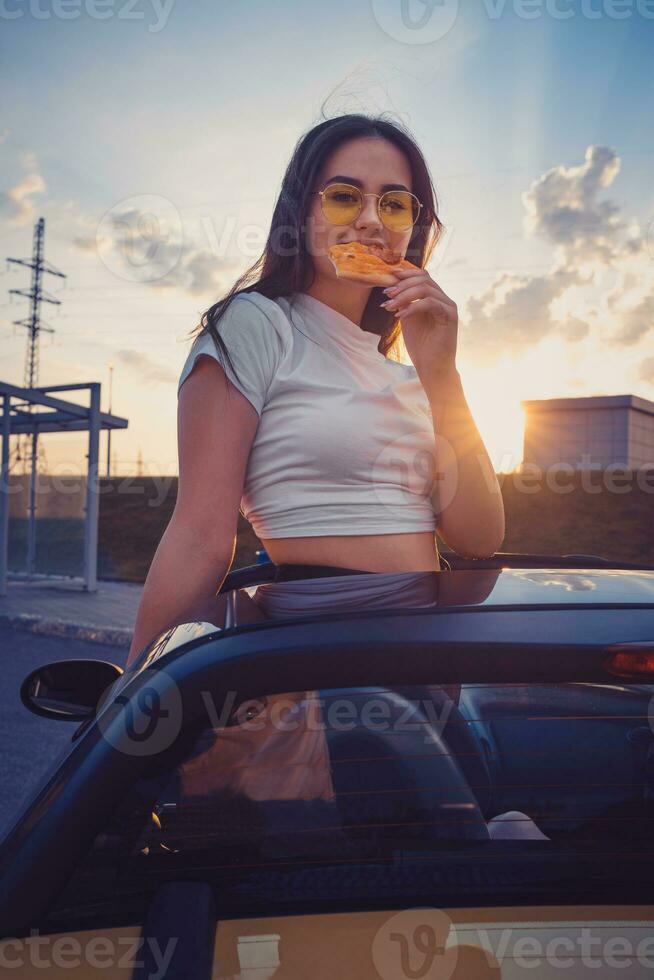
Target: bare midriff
x=413, y=552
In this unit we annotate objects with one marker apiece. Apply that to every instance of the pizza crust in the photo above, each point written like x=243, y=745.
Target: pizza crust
x=367, y=263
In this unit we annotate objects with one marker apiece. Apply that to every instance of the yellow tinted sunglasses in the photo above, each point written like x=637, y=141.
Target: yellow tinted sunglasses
x=342, y=204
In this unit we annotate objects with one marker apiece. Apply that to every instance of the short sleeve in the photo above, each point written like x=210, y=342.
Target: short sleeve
x=255, y=344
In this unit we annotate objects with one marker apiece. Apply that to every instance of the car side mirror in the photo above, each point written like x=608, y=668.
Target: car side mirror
x=69, y=690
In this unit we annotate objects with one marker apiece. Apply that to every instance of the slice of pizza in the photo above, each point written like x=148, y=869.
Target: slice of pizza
x=367, y=263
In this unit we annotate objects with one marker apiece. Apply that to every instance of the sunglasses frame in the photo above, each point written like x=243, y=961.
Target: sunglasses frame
x=362, y=195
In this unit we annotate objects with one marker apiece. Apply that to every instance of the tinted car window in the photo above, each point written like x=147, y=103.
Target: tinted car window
x=481, y=794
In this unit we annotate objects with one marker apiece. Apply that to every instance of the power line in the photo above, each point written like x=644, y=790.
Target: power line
x=32, y=323
x=36, y=295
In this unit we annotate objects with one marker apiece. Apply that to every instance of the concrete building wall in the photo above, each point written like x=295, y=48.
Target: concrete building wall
x=589, y=433
x=641, y=438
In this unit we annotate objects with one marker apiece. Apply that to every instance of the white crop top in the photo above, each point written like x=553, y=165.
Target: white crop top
x=345, y=442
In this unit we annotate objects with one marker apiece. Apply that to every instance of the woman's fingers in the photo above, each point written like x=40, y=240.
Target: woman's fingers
x=409, y=277
x=408, y=293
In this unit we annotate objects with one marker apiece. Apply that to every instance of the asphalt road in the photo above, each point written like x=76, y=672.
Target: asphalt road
x=29, y=743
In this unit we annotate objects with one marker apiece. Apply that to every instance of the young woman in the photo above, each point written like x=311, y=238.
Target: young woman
x=294, y=406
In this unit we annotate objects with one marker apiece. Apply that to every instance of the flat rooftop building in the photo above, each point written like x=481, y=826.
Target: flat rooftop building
x=589, y=433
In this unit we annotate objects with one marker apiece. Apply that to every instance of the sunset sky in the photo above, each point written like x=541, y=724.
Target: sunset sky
x=535, y=120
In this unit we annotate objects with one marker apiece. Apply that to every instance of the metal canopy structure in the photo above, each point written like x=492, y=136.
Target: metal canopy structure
x=33, y=411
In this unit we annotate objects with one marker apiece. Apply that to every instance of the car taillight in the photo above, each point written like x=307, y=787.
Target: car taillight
x=630, y=659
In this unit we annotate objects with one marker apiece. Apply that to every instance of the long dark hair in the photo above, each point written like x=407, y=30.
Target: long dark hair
x=285, y=266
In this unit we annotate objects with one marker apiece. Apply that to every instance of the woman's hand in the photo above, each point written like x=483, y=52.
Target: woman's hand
x=429, y=320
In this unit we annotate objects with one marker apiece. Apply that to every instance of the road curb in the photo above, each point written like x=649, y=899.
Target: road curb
x=72, y=631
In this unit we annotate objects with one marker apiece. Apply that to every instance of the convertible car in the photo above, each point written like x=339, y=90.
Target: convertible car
x=413, y=775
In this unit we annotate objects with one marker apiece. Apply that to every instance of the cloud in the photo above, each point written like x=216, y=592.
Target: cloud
x=637, y=321
x=85, y=244
x=646, y=370
x=515, y=311
x=146, y=244
x=16, y=204
x=197, y=272
x=29, y=161
x=592, y=238
x=562, y=206
x=149, y=372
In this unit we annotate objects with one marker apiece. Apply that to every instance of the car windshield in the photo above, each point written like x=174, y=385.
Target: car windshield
x=479, y=795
